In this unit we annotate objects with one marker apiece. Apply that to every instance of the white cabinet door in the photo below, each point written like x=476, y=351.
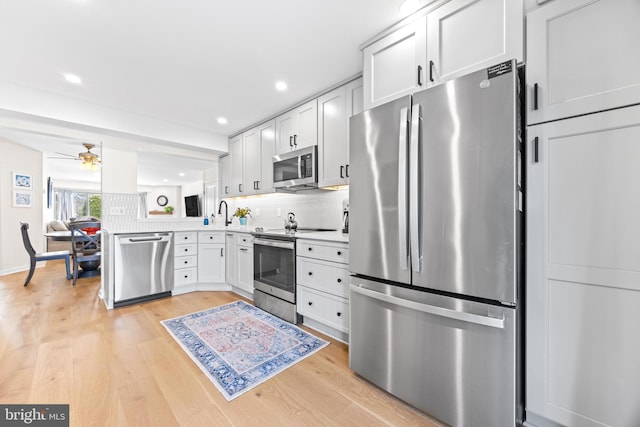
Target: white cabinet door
x=230, y=259
x=468, y=35
x=225, y=176
x=237, y=172
x=582, y=56
x=583, y=270
x=285, y=128
x=251, y=161
x=267, y=136
x=395, y=65
x=332, y=138
x=211, y=263
x=244, y=263
x=306, y=130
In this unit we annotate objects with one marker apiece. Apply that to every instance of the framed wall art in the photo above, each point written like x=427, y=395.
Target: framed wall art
x=21, y=199
x=22, y=181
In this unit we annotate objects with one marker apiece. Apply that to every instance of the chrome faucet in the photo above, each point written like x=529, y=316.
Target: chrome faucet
x=226, y=212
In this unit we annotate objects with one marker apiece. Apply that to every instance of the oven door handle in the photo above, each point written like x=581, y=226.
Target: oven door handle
x=274, y=243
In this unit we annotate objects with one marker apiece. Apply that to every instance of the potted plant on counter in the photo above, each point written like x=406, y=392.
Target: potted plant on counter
x=169, y=210
x=242, y=214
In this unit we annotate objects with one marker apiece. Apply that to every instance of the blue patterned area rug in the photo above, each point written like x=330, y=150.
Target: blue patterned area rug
x=239, y=346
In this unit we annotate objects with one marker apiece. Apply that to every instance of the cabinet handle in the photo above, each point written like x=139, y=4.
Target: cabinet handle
x=341, y=171
x=310, y=249
x=346, y=168
x=535, y=96
x=244, y=249
x=186, y=237
x=535, y=150
x=210, y=237
x=186, y=262
x=186, y=276
x=221, y=252
x=295, y=139
x=419, y=75
x=310, y=303
x=431, y=71
x=339, y=314
x=186, y=250
x=290, y=141
x=339, y=252
x=226, y=189
x=240, y=188
x=311, y=273
x=339, y=280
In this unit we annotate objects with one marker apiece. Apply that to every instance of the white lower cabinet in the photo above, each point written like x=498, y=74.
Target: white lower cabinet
x=185, y=262
x=244, y=263
x=323, y=286
x=583, y=270
x=211, y=257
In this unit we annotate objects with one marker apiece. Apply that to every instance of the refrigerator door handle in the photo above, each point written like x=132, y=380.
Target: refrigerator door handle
x=414, y=187
x=431, y=309
x=403, y=140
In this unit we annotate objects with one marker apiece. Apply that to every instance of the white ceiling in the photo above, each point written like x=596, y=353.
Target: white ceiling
x=189, y=62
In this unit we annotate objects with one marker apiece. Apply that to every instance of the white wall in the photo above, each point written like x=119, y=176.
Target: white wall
x=173, y=195
x=16, y=158
x=119, y=171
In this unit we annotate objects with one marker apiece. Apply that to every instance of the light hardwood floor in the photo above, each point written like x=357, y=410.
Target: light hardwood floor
x=58, y=344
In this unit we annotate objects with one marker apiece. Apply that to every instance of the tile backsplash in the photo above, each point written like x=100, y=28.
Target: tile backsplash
x=314, y=208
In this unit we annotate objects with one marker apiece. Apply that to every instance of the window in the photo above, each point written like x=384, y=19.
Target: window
x=71, y=204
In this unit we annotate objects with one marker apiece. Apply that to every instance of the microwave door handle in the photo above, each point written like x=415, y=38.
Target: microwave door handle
x=403, y=139
x=299, y=167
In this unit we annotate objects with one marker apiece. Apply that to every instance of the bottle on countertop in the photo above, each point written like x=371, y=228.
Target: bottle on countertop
x=212, y=221
x=206, y=221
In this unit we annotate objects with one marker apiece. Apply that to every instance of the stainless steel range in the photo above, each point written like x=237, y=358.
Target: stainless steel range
x=274, y=266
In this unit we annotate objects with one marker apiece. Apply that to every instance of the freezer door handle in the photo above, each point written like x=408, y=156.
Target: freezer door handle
x=431, y=309
x=403, y=140
x=414, y=187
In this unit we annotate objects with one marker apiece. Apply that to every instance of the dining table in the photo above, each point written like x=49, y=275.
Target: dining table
x=89, y=268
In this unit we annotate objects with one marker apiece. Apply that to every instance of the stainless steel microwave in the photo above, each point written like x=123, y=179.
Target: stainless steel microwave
x=296, y=170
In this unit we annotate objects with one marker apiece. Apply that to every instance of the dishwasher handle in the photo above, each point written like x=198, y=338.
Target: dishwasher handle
x=431, y=309
x=124, y=240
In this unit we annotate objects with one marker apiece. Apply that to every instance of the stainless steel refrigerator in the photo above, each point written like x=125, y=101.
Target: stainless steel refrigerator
x=436, y=248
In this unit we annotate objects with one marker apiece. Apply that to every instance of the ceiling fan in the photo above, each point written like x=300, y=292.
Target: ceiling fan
x=89, y=160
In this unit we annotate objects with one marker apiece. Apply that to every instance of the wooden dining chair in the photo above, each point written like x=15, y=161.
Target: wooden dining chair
x=85, y=244
x=41, y=256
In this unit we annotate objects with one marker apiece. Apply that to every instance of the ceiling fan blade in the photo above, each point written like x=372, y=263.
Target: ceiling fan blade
x=62, y=158
x=64, y=154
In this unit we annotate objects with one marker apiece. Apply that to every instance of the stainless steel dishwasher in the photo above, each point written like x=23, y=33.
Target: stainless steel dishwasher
x=143, y=267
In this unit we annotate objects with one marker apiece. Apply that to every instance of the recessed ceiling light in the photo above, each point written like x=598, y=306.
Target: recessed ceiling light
x=165, y=180
x=180, y=173
x=72, y=78
x=281, y=86
x=222, y=120
x=407, y=7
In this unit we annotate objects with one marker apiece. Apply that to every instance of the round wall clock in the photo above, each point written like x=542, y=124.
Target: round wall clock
x=162, y=200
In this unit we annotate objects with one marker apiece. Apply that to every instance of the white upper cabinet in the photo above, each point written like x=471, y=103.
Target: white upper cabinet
x=237, y=173
x=267, y=136
x=297, y=128
x=468, y=35
x=334, y=110
x=251, y=160
x=395, y=65
x=225, y=176
x=447, y=40
x=582, y=57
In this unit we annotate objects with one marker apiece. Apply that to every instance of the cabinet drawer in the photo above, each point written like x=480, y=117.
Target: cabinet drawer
x=182, y=250
x=324, y=250
x=185, y=275
x=186, y=261
x=323, y=276
x=244, y=239
x=211, y=237
x=180, y=237
x=328, y=309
